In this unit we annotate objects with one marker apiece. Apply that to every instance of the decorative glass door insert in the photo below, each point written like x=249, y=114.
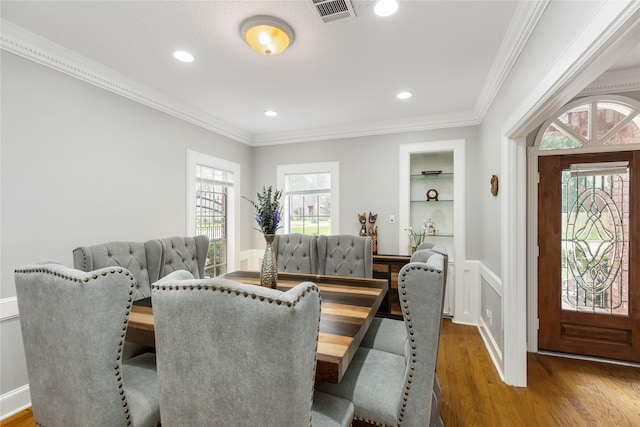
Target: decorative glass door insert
x=595, y=233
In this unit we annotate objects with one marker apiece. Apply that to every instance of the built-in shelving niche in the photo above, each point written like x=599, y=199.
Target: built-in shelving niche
x=447, y=213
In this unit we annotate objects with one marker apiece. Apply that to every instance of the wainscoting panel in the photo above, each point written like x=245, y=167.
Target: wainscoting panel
x=491, y=319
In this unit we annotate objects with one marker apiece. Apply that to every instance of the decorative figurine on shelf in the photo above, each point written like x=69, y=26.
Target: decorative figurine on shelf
x=373, y=232
x=431, y=227
x=363, y=221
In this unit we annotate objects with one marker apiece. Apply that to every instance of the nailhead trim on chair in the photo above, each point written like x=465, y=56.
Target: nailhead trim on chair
x=132, y=285
x=214, y=287
x=84, y=258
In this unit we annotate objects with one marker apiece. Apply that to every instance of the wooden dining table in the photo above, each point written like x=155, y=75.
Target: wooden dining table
x=348, y=306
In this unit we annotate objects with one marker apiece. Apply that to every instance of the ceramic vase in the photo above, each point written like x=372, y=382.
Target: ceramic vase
x=269, y=269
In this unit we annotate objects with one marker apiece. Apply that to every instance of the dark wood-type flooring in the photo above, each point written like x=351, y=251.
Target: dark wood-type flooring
x=560, y=392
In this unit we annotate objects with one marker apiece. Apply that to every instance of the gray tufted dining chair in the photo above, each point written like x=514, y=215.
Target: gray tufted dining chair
x=436, y=421
x=142, y=259
x=73, y=326
x=296, y=253
x=233, y=354
x=392, y=389
x=185, y=253
x=345, y=255
x=391, y=335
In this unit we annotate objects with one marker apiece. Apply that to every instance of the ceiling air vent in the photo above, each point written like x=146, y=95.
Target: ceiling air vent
x=332, y=10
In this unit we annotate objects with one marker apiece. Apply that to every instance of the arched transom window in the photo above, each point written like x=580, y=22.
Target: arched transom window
x=592, y=121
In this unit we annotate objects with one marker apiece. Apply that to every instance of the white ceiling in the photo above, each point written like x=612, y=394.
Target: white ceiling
x=337, y=78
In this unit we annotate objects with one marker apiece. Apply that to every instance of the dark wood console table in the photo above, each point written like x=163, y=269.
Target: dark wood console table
x=387, y=267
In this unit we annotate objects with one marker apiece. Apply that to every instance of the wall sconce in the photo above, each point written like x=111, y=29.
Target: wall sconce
x=267, y=34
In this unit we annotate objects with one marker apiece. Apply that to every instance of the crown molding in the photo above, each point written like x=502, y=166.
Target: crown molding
x=525, y=19
x=614, y=82
x=26, y=44
x=415, y=124
x=520, y=29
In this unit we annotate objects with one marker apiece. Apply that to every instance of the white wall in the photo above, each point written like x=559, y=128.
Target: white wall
x=81, y=166
x=369, y=176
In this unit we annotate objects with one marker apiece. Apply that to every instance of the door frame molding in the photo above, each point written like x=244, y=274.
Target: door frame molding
x=612, y=32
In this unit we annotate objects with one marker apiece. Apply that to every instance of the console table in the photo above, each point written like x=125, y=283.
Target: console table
x=387, y=267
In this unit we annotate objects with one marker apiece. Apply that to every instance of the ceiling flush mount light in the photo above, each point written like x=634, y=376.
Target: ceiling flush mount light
x=270, y=113
x=385, y=7
x=404, y=95
x=183, y=56
x=267, y=34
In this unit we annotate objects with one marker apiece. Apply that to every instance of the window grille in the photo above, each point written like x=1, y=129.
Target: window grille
x=212, y=190
x=308, y=203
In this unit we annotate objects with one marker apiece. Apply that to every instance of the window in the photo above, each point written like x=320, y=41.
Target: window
x=592, y=121
x=311, y=197
x=211, y=205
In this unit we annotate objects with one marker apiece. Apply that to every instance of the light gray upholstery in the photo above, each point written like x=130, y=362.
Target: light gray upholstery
x=73, y=324
x=397, y=389
x=233, y=354
x=385, y=334
x=185, y=253
x=147, y=261
x=143, y=259
x=423, y=254
x=296, y=253
x=345, y=255
x=391, y=335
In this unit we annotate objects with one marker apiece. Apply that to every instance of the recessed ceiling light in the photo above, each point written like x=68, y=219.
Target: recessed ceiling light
x=183, y=56
x=270, y=113
x=385, y=7
x=404, y=95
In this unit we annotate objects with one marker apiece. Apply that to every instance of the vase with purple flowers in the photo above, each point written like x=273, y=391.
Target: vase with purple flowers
x=268, y=216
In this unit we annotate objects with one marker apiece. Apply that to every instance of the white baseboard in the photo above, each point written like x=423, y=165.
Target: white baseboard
x=8, y=308
x=14, y=401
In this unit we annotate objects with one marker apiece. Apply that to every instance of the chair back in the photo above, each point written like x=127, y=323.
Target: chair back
x=421, y=286
x=142, y=259
x=440, y=249
x=235, y=354
x=345, y=255
x=296, y=253
x=185, y=253
x=73, y=324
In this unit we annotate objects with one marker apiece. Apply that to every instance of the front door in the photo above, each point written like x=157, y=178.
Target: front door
x=589, y=254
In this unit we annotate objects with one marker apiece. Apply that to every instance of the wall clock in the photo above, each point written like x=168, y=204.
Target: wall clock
x=432, y=194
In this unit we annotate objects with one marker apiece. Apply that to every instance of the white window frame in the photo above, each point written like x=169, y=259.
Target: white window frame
x=333, y=168
x=233, y=201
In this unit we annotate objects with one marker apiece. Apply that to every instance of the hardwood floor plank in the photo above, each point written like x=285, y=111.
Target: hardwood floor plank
x=561, y=391
x=21, y=419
